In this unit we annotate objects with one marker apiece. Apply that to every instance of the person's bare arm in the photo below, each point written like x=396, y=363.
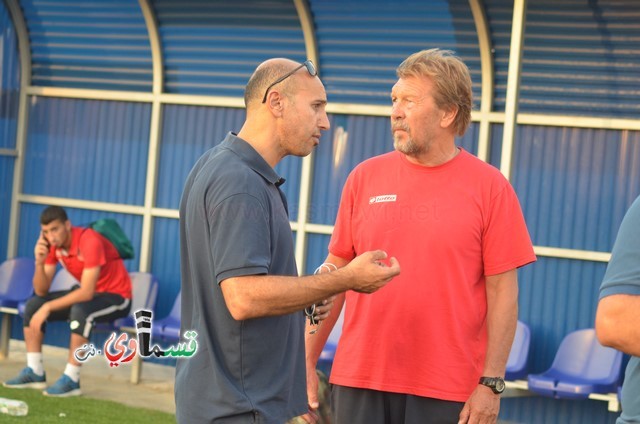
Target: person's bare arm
x=269, y=295
x=617, y=323
x=502, y=318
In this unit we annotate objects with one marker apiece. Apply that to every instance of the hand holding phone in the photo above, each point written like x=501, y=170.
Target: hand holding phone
x=41, y=249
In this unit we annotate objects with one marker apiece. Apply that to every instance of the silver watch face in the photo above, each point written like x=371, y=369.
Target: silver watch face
x=500, y=385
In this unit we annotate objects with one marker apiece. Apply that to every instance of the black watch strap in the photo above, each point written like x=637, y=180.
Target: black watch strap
x=494, y=383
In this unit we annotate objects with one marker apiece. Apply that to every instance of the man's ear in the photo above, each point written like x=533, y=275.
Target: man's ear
x=67, y=225
x=275, y=102
x=448, y=116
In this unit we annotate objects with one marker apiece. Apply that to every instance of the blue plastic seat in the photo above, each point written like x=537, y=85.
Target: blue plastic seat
x=582, y=366
x=16, y=281
x=62, y=280
x=16, y=285
x=325, y=361
x=144, y=291
x=519, y=355
x=168, y=328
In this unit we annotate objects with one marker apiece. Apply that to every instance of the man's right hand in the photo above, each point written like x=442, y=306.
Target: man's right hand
x=41, y=250
x=370, y=273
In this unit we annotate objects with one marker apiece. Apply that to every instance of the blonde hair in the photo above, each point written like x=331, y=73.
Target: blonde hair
x=451, y=78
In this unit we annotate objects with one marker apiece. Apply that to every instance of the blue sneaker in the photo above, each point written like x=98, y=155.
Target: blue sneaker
x=64, y=387
x=27, y=379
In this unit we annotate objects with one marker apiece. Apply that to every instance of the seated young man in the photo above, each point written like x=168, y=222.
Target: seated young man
x=104, y=294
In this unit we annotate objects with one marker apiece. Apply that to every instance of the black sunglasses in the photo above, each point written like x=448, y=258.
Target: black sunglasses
x=310, y=68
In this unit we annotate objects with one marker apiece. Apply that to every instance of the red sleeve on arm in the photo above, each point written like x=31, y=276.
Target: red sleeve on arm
x=92, y=249
x=506, y=241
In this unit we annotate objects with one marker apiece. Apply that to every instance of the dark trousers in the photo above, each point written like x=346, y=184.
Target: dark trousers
x=104, y=307
x=362, y=406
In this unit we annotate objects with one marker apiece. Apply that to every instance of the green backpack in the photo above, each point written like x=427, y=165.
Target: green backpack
x=110, y=229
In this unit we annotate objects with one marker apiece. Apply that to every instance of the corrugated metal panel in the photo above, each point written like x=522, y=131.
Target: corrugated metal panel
x=9, y=98
x=540, y=410
x=361, y=43
x=187, y=132
x=576, y=184
x=212, y=48
x=350, y=140
x=582, y=58
x=102, y=44
x=165, y=264
x=6, y=185
x=557, y=296
x=317, y=251
x=87, y=149
x=499, y=14
x=9, y=80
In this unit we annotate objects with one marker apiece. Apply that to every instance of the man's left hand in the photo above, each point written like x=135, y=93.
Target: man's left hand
x=39, y=318
x=482, y=407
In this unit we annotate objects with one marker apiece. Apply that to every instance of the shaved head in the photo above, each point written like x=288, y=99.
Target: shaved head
x=264, y=75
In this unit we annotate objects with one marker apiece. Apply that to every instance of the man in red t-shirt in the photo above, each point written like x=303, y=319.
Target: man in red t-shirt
x=104, y=294
x=432, y=346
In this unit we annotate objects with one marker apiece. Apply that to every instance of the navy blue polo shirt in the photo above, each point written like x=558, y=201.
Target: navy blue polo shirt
x=234, y=222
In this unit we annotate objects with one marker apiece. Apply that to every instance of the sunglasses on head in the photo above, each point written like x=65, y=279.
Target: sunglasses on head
x=307, y=64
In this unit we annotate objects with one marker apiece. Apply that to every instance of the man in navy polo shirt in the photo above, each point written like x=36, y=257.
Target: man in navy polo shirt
x=240, y=290
x=617, y=314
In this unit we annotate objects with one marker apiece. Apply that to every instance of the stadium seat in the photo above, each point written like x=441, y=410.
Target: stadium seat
x=519, y=355
x=144, y=291
x=16, y=285
x=582, y=366
x=62, y=280
x=16, y=281
x=168, y=328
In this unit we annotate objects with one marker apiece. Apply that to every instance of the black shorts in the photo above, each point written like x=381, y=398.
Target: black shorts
x=359, y=406
x=104, y=307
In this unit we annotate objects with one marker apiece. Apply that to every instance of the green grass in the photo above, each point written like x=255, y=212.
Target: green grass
x=79, y=409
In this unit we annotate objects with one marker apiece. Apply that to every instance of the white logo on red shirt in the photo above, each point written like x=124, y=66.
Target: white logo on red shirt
x=383, y=198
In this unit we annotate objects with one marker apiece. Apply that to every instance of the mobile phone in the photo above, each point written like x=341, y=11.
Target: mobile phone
x=46, y=242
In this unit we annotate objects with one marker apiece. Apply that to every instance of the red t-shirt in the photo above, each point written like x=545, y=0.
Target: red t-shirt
x=448, y=226
x=90, y=249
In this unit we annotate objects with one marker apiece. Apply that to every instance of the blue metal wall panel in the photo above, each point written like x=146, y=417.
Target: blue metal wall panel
x=6, y=186
x=333, y=161
x=499, y=15
x=317, y=250
x=189, y=131
x=582, y=58
x=165, y=263
x=541, y=410
x=362, y=42
x=87, y=149
x=495, y=150
x=9, y=80
x=212, y=48
x=9, y=98
x=576, y=184
x=29, y=230
x=557, y=296
x=102, y=44
x=579, y=58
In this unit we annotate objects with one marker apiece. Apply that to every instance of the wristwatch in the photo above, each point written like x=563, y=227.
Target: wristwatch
x=494, y=383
